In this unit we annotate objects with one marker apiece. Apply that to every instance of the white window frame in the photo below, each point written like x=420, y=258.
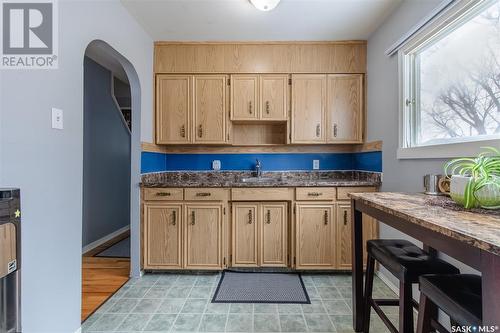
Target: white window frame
x=446, y=22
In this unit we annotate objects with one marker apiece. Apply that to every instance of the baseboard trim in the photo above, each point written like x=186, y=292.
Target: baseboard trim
x=99, y=242
x=387, y=281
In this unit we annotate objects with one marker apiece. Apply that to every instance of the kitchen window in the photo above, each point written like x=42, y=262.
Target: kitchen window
x=450, y=83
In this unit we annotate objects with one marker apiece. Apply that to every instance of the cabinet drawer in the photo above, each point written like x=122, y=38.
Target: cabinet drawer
x=342, y=192
x=262, y=194
x=163, y=194
x=206, y=194
x=315, y=193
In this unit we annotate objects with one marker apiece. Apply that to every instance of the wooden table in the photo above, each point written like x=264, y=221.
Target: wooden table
x=471, y=238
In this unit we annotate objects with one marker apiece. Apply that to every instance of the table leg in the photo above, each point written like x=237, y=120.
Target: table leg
x=357, y=267
x=490, y=271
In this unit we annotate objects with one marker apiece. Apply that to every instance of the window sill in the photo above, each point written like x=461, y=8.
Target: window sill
x=449, y=150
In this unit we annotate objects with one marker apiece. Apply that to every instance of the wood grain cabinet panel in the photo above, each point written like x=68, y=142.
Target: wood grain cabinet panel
x=163, y=241
x=344, y=225
x=203, y=240
x=8, y=251
x=245, y=234
x=315, y=236
x=245, y=97
x=273, y=226
x=308, y=108
x=209, y=95
x=173, y=109
x=345, y=108
x=273, y=97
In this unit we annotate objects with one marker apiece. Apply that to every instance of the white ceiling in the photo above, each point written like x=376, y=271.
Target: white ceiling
x=238, y=20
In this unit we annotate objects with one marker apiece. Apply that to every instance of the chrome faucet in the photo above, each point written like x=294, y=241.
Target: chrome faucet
x=258, y=168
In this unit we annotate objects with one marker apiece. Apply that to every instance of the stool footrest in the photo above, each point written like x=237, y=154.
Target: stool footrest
x=383, y=316
x=391, y=302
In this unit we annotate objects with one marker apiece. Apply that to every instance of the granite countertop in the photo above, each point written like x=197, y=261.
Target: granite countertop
x=478, y=230
x=273, y=179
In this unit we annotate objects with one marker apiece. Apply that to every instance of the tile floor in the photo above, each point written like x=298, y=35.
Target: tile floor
x=181, y=303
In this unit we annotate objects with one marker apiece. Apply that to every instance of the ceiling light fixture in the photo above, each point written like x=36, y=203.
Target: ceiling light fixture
x=265, y=5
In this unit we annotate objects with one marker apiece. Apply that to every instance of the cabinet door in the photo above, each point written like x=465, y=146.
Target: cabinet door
x=344, y=253
x=209, y=108
x=203, y=241
x=315, y=232
x=244, y=97
x=163, y=241
x=345, y=108
x=273, y=97
x=173, y=109
x=273, y=224
x=308, y=108
x=245, y=233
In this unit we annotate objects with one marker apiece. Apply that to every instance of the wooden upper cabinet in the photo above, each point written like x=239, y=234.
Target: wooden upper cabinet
x=345, y=108
x=203, y=242
x=274, y=222
x=308, y=108
x=273, y=97
x=245, y=97
x=163, y=241
x=315, y=236
x=173, y=109
x=209, y=95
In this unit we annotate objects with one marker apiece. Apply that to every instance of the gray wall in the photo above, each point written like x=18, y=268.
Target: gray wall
x=106, y=158
x=47, y=164
x=383, y=109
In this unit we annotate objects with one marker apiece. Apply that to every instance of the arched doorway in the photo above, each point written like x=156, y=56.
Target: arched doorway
x=111, y=164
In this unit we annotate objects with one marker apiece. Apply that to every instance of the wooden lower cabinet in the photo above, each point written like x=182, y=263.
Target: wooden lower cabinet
x=370, y=231
x=183, y=236
x=163, y=241
x=245, y=235
x=315, y=236
x=274, y=234
x=203, y=242
x=260, y=234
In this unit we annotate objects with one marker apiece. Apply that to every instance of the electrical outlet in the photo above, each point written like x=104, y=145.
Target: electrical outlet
x=57, y=119
x=216, y=165
x=315, y=164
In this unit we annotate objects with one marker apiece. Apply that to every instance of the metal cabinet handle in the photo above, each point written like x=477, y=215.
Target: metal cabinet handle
x=318, y=130
x=200, y=130
x=314, y=194
x=345, y=217
x=183, y=131
x=326, y=217
x=174, y=217
x=268, y=216
x=268, y=107
x=335, y=130
x=163, y=194
x=250, y=107
x=193, y=218
x=250, y=216
x=203, y=194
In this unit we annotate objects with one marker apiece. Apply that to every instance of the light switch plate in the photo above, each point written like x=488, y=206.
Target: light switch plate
x=57, y=119
x=315, y=164
x=216, y=165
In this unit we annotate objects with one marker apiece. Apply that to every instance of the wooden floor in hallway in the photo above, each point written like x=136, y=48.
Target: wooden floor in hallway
x=101, y=278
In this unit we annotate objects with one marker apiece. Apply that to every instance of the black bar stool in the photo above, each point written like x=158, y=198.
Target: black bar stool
x=406, y=262
x=459, y=296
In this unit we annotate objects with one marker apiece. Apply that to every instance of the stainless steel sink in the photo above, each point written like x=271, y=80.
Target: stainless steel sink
x=258, y=180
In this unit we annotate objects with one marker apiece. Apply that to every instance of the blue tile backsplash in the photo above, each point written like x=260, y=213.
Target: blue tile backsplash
x=365, y=161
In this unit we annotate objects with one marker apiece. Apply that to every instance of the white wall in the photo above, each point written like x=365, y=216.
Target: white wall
x=47, y=164
x=383, y=109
